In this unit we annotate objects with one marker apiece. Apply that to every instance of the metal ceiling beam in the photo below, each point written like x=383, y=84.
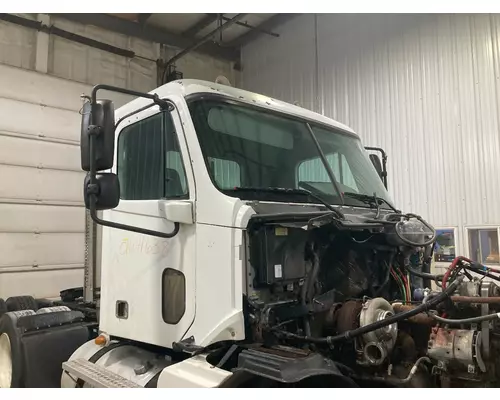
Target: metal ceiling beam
x=268, y=25
x=200, y=25
x=204, y=39
x=248, y=26
x=151, y=33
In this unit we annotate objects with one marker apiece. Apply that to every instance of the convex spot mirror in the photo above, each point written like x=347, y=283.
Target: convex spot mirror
x=102, y=115
x=377, y=164
x=107, y=191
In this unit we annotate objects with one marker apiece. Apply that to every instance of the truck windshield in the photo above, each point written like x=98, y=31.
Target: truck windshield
x=250, y=147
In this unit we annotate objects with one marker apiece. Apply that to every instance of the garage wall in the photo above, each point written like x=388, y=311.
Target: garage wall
x=42, y=76
x=78, y=62
x=201, y=66
x=424, y=87
x=82, y=63
x=42, y=219
x=41, y=208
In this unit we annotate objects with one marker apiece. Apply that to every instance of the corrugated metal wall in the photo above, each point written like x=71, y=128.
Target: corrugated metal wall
x=424, y=87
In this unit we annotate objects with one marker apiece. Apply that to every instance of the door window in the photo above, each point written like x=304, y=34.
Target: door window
x=150, y=165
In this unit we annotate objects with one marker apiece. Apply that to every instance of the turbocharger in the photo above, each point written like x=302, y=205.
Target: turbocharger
x=378, y=344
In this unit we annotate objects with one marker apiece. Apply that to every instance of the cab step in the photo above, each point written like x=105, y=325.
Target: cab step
x=95, y=375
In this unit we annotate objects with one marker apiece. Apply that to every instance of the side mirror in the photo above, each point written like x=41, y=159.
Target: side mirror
x=377, y=164
x=106, y=189
x=97, y=146
x=98, y=119
x=380, y=166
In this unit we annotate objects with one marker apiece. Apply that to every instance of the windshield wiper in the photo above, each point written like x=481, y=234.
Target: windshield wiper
x=338, y=213
x=326, y=164
x=373, y=199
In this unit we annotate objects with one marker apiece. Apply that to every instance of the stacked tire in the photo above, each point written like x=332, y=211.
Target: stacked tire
x=35, y=342
x=21, y=303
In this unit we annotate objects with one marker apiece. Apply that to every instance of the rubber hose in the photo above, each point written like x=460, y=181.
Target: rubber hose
x=478, y=300
x=329, y=340
x=426, y=265
x=424, y=275
x=387, y=277
x=481, y=272
x=472, y=320
x=452, y=266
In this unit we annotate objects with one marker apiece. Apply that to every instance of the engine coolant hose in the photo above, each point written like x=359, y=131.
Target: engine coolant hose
x=424, y=275
x=473, y=320
x=425, y=307
x=452, y=266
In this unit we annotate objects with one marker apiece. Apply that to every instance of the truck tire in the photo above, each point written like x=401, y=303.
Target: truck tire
x=34, y=346
x=3, y=307
x=11, y=361
x=19, y=303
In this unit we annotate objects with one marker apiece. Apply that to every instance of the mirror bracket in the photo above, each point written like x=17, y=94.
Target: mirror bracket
x=92, y=184
x=383, y=173
x=94, y=130
x=93, y=189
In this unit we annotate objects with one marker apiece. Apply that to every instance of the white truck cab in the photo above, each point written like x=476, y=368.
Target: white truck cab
x=183, y=165
x=248, y=242
x=198, y=164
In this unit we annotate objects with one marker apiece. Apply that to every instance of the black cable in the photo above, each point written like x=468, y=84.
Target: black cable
x=473, y=320
x=425, y=307
x=455, y=273
x=424, y=275
x=426, y=264
x=481, y=272
x=430, y=296
x=469, y=276
x=386, y=280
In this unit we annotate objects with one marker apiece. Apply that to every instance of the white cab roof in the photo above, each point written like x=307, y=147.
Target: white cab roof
x=187, y=87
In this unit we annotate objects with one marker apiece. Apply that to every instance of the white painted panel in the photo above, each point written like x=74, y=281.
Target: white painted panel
x=22, y=249
x=39, y=153
x=18, y=116
x=17, y=45
x=41, y=218
x=37, y=88
x=24, y=183
x=39, y=283
x=424, y=87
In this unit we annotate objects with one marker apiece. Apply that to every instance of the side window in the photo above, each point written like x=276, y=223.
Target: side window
x=313, y=170
x=484, y=245
x=149, y=163
x=226, y=173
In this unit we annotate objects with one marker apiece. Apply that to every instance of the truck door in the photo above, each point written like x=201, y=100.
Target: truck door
x=148, y=282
